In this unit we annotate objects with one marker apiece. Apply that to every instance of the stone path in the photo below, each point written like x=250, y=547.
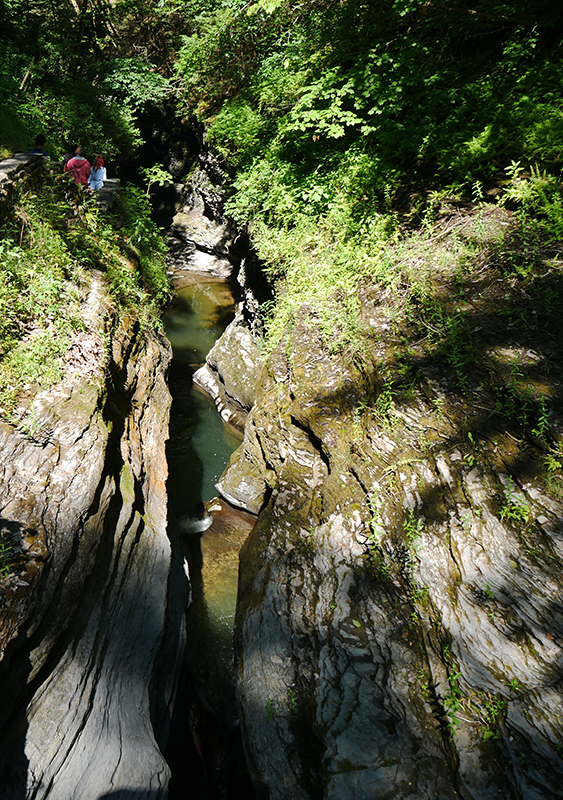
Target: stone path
x=21, y=164
x=107, y=194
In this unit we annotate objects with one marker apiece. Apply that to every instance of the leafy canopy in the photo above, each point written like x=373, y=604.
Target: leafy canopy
x=80, y=71
x=334, y=115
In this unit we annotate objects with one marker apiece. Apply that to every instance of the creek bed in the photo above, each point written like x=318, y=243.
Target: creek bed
x=198, y=451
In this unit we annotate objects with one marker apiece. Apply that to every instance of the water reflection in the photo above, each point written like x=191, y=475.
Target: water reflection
x=198, y=451
x=199, y=315
x=200, y=444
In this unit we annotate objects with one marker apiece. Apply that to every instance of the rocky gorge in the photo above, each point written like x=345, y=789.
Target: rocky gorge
x=399, y=625
x=399, y=620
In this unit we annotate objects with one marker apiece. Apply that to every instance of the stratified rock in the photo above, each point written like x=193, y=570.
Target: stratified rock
x=231, y=372
x=201, y=239
x=205, y=242
x=92, y=596
x=399, y=626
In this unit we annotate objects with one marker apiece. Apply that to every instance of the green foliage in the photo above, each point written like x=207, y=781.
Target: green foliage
x=271, y=712
x=269, y=6
x=554, y=458
x=340, y=118
x=495, y=710
x=385, y=404
x=450, y=94
x=413, y=530
x=38, y=293
x=335, y=114
x=325, y=108
x=376, y=529
x=133, y=81
x=5, y=554
x=452, y=701
x=146, y=243
x=15, y=134
x=446, y=329
x=544, y=136
x=538, y=197
x=318, y=262
x=73, y=72
x=514, y=508
x=235, y=129
x=155, y=174
x=217, y=54
x=514, y=685
x=292, y=700
x=72, y=112
x=49, y=243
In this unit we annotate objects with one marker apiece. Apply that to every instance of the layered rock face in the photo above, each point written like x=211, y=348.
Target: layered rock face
x=399, y=626
x=91, y=615
x=206, y=245
x=201, y=239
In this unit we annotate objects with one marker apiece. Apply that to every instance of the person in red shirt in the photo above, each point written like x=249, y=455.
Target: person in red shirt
x=79, y=167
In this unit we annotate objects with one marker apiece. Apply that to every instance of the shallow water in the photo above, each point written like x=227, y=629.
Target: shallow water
x=200, y=444
x=198, y=451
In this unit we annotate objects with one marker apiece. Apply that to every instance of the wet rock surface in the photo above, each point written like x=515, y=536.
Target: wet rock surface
x=92, y=598
x=399, y=625
x=201, y=239
x=204, y=243
x=231, y=372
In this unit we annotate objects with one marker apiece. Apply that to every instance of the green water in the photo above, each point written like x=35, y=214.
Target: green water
x=198, y=452
x=210, y=623
x=199, y=315
x=200, y=444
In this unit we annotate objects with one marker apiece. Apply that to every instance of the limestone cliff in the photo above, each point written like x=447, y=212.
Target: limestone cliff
x=92, y=598
x=400, y=629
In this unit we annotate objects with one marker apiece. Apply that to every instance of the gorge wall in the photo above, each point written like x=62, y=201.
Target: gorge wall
x=399, y=627
x=399, y=622
x=91, y=615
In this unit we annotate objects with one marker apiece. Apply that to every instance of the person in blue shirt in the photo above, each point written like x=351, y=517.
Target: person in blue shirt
x=98, y=174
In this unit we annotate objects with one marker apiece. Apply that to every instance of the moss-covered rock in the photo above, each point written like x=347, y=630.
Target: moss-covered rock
x=399, y=630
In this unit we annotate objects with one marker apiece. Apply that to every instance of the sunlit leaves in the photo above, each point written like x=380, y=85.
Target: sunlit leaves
x=325, y=107
x=236, y=129
x=269, y=6
x=133, y=81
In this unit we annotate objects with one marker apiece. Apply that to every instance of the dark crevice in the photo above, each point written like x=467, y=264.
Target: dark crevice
x=315, y=441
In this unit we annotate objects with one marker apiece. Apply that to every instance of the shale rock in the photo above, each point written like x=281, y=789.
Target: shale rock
x=231, y=372
x=205, y=243
x=399, y=628
x=201, y=239
x=92, y=596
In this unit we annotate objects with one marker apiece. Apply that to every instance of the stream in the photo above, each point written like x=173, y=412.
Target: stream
x=206, y=757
